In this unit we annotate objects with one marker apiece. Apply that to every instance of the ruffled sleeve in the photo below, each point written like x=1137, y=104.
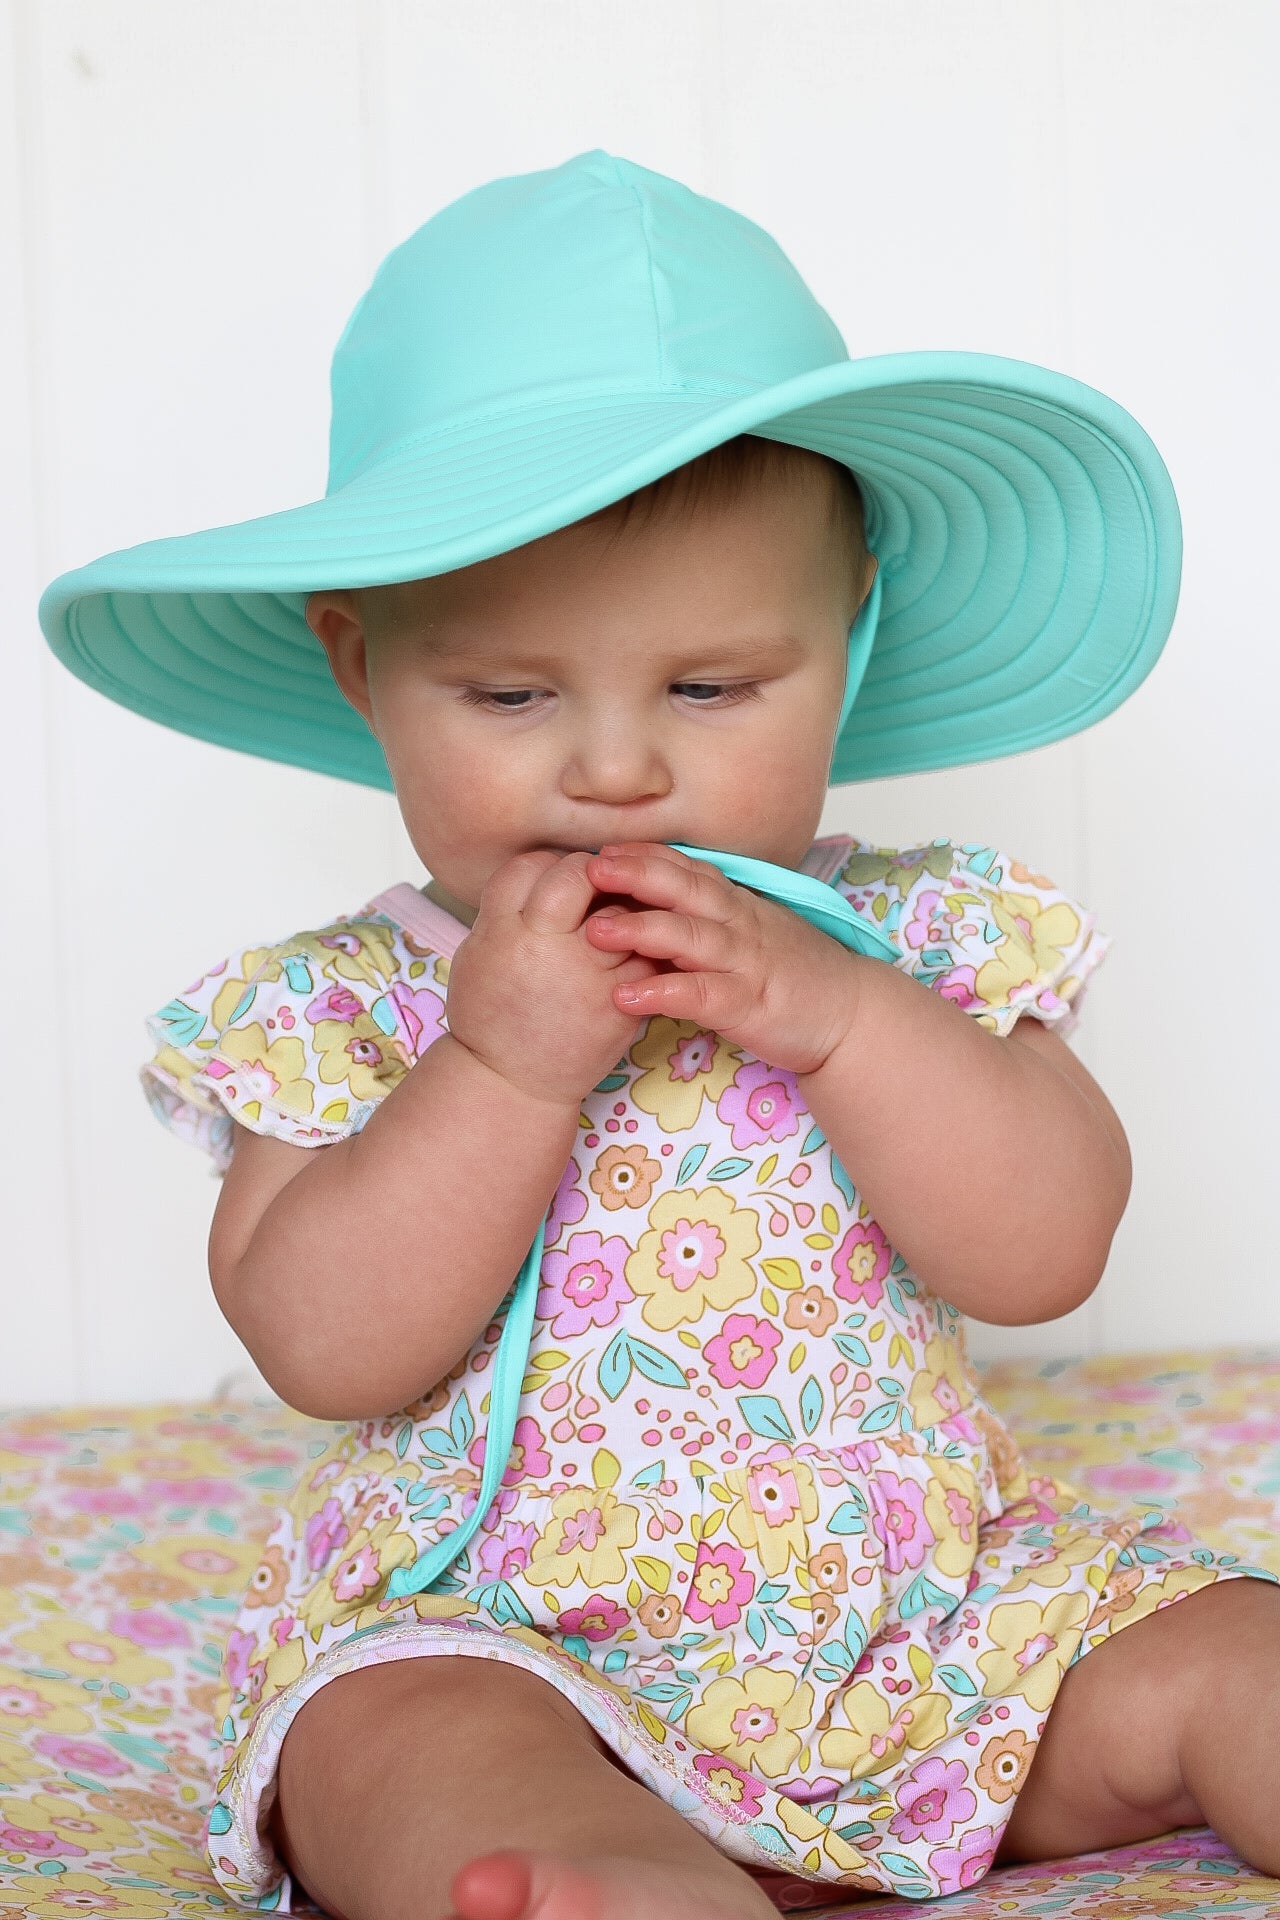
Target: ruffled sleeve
x=977, y=927
x=300, y=1040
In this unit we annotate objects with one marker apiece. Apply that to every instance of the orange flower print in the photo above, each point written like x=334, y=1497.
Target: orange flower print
x=624, y=1177
x=660, y=1612
x=810, y=1311
x=266, y=1589
x=1003, y=1766
x=829, y=1569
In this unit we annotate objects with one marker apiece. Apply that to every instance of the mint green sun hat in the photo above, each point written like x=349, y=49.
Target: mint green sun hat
x=551, y=342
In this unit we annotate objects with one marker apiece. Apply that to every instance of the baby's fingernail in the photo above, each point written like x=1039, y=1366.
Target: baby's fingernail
x=629, y=994
x=606, y=921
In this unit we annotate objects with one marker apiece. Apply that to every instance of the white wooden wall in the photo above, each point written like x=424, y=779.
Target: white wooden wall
x=193, y=193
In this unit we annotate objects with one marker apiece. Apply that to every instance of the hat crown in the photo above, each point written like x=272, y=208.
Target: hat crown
x=594, y=275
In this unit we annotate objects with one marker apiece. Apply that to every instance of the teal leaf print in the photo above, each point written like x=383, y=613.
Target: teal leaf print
x=436, y=1441
x=182, y=1024
x=847, y=1519
x=219, y=1819
x=841, y=1179
x=614, y=1370
x=921, y=1595
x=810, y=1404
x=771, y=1591
x=887, y=1384
x=879, y=1418
x=403, y=1437
x=691, y=1162
x=853, y=1349
x=955, y=1679
x=462, y=1424
x=298, y=974
x=655, y=1366
x=855, y=1638
x=780, y=1621
x=813, y=1140
x=616, y=1661
x=728, y=1169
x=383, y=1015
x=138, y=1748
x=756, y=1627
x=246, y=1000
x=662, y=1692
x=1176, y=1458
x=611, y=1083
x=649, y=1476
x=764, y=1415
x=504, y=1603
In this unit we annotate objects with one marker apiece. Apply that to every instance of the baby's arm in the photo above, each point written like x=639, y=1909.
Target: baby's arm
x=995, y=1166
x=358, y=1274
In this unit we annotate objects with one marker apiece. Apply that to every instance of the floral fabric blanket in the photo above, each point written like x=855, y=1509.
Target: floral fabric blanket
x=128, y=1536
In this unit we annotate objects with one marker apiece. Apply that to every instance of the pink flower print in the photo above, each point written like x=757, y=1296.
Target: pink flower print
x=356, y=1575
x=111, y=1501
x=861, y=1261
x=897, y=1517
x=691, y=1250
x=926, y=926
x=598, y=1618
x=419, y=1016
x=963, y=1866
x=933, y=1801
x=772, y=1491
x=20, y=1703
x=507, y=1554
x=326, y=1531
x=959, y=984
x=743, y=1353
x=734, y=1788
x=529, y=1457
x=695, y=1053
x=581, y=1531
x=755, y=1721
x=719, y=1586
x=585, y=1286
x=762, y=1103
x=568, y=1203
x=240, y=1648
x=341, y=943
x=149, y=1627
x=335, y=1003
x=365, y=1053
x=83, y=1756
x=27, y=1840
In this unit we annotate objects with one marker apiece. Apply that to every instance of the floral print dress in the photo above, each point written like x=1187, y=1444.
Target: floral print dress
x=758, y=1523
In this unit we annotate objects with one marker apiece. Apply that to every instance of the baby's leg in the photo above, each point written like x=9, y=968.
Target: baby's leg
x=450, y=1785
x=1175, y=1722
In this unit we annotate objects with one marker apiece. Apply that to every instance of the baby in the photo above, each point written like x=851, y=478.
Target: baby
x=764, y=1595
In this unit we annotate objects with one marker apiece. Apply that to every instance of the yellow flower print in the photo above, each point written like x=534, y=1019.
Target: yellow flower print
x=1035, y=939
x=776, y=1500
x=880, y=1732
x=48, y=1706
x=1033, y=1647
x=694, y=1256
x=754, y=1720
x=357, y=950
x=941, y=1388
x=685, y=1066
x=89, y=1653
x=1165, y=1593
x=206, y=1563
x=16, y=1763
x=953, y=1508
x=898, y=870
x=583, y=1540
x=358, y=1054
x=83, y=1826
x=37, y=1896
x=272, y=1072
x=234, y=988
x=1071, y=1547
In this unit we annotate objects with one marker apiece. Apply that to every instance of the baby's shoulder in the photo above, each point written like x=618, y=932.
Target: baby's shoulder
x=302, y=1037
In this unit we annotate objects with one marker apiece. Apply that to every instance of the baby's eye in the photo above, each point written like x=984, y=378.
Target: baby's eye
x=706, y=693
x=501, y=699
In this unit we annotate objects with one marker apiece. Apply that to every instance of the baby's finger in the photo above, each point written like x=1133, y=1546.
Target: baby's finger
x=508, y=888
x=687, y=940
x=560, y=896
x=714, y=1000
x=664, y=878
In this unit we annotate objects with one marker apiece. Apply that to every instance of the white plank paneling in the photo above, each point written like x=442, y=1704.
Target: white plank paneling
x=192, y=197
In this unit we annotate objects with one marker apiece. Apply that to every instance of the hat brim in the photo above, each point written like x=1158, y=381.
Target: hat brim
x=1026, y=529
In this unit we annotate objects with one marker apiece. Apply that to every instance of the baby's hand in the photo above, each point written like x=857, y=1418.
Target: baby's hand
x=528, y=995
x=747, y=968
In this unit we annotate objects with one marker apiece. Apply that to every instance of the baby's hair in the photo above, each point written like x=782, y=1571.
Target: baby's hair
x=724, y=473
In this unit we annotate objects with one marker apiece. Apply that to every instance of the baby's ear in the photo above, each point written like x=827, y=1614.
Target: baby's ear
x=335, y=619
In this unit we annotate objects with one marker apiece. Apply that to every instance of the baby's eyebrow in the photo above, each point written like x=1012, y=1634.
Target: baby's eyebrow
x=723, y=656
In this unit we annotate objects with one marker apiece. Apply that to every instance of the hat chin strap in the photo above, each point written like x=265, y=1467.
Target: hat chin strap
x=861, y=639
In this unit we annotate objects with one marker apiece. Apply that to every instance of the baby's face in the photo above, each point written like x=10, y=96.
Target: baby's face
x=675, y=679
